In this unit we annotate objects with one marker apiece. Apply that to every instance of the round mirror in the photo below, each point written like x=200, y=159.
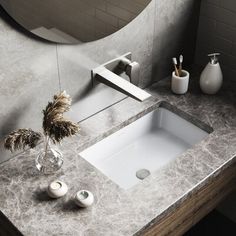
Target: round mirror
x=73, y=21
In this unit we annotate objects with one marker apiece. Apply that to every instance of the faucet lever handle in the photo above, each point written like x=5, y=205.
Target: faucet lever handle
x=133, y=71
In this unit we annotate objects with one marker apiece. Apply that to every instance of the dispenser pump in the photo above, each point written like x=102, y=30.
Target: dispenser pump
x=214, y=58
x=211, y=78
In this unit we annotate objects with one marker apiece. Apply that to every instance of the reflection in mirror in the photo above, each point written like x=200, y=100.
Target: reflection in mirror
x=73, y=21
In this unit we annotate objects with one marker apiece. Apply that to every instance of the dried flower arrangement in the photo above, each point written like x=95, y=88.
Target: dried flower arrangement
x=55, y=126
x=22, y=138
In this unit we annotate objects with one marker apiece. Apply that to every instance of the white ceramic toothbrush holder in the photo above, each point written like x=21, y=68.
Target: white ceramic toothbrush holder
x=179, y=84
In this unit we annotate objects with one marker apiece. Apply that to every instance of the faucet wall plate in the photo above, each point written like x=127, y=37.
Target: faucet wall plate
x=112, y=65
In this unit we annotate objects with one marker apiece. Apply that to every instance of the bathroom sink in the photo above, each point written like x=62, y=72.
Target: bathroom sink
x=144, y=146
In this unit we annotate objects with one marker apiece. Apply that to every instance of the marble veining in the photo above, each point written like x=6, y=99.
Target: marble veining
x=118, y=212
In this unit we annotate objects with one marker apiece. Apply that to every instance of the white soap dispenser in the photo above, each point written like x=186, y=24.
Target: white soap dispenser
x=211, y=78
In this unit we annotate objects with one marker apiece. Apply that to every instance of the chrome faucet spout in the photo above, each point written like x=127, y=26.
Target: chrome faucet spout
x=111, y=79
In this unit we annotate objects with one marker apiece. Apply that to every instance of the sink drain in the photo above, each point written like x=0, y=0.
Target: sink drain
x=142, y=174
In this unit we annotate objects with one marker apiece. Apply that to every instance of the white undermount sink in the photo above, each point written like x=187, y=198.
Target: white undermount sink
x=144, y=146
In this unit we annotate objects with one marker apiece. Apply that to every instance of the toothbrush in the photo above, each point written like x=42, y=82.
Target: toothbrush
x=175, y=65
x=181, y=59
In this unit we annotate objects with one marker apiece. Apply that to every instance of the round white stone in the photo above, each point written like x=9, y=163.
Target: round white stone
x=84, y=198
x=57, y=189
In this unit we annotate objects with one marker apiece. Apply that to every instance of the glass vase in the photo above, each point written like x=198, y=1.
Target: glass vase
x=49, y=159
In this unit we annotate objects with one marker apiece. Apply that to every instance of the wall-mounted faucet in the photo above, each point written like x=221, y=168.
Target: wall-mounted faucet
x=109, y=74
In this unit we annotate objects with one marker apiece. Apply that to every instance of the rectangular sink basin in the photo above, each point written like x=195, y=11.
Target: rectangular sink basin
x=144, y=146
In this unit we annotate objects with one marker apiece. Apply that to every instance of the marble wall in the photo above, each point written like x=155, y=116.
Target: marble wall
x=176, y=24
x=32, y=70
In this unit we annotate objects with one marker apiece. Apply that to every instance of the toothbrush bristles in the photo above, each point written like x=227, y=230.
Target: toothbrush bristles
x=175, y=65
x=181, y=59
x=175, y=61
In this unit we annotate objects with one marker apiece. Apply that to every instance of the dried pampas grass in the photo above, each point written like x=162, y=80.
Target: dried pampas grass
x=22, y=138
x=55, y=126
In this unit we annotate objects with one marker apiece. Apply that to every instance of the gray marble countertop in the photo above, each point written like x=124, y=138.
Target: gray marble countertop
x=116, y=211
